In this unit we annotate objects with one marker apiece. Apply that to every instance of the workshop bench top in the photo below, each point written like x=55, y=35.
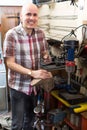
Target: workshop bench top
x=77, y=108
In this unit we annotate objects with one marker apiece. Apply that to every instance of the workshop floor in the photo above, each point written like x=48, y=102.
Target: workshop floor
x=5, y=121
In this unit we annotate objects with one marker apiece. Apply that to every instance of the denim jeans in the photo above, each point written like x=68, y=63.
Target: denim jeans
x=22, y=106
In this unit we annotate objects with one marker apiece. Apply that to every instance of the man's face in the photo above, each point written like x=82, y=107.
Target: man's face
x=29, y=17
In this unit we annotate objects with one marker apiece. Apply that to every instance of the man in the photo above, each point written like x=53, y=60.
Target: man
x=24, y=46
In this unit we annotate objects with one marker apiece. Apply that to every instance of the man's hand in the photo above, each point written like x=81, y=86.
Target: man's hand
x=46, y=57
x=41, y=74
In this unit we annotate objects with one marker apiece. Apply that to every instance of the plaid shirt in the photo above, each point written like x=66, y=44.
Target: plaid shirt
x=27, y=50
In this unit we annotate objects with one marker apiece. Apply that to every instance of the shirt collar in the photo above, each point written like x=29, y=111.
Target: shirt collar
x=21, y=30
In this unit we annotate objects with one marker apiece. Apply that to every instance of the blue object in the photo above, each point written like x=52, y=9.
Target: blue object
x=70, y=55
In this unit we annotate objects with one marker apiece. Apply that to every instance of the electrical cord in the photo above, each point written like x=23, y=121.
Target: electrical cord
x=73, y=2
x=73, y=31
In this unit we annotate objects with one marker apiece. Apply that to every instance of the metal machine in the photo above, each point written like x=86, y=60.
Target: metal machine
x=70, y=47
x=68, y=51
x=64, y=59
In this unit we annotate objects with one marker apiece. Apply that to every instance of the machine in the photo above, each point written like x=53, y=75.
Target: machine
x=63, y=60
x=69, y=88
x=70, y=47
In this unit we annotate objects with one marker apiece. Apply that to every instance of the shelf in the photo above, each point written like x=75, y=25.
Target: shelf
x=71, y=125
x=78, y=108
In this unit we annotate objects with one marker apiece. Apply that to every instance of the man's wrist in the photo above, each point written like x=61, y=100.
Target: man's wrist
x=30, y=72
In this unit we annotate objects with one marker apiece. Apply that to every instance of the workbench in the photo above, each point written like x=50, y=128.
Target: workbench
x=76, y=108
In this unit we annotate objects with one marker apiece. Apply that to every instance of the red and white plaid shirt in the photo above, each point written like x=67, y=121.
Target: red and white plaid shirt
x=27, y=50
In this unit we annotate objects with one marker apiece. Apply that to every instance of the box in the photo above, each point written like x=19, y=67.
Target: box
x=56, y=115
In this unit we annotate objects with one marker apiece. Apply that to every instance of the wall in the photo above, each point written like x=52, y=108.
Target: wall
x=59, y=18
x=7, y=3
x=13, y=2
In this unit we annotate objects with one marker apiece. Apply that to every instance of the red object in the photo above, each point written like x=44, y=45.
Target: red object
x=81, y=71
x=70, y=63
x=84, y=123
x=85, y=46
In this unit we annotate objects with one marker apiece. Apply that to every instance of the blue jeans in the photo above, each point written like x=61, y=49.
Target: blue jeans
x=22, y=106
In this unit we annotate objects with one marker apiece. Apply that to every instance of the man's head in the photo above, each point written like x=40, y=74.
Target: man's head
x=29, y=16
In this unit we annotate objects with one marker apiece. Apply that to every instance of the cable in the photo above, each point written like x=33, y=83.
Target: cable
x=73, y=31
x=73, y=2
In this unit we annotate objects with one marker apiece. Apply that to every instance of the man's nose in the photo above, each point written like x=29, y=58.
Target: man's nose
x=32, y=16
